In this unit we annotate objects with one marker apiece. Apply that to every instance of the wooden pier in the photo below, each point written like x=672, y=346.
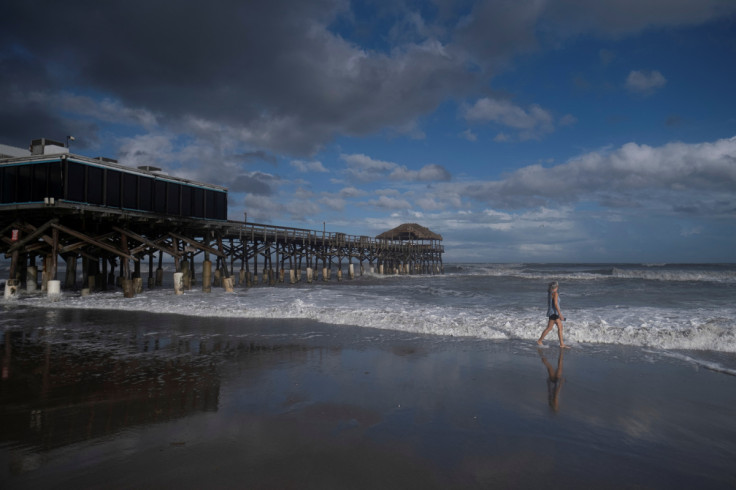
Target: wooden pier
x=125, y=226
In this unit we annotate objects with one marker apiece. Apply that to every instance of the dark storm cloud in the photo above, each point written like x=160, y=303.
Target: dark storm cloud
x=22, y=118
x=257, y=183
x=254, y=156
x=270, y=71
x=274, y=75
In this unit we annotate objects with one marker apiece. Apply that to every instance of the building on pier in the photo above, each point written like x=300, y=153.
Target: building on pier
x=412, y=249
x=54, y=204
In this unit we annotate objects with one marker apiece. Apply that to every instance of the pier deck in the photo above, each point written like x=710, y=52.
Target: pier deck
x=57, y=205
x=250, y=253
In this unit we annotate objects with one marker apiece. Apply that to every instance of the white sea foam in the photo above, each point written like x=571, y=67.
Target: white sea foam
x=343, y=305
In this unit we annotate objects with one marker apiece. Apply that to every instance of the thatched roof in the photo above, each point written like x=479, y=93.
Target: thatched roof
x=409, y=231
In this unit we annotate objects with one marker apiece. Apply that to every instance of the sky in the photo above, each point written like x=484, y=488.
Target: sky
x=521, y=131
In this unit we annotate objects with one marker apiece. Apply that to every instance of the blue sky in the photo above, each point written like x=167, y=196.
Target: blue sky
x=522, y=131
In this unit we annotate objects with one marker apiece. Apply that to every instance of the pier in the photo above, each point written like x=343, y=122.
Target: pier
x=123, y=223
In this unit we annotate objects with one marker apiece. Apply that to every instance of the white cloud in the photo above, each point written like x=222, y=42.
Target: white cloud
x=616, y=18
x=693, y=230
x=469, y=135
x=507, y=113
x=645, y=82
x=390, y=203
x=304, y=167
x=264, y=209
x=366, y=169
x=428, y=173
x=429, y=204
x=332, y=202
x=673, y=176
x=348, y=192
x=531, y=122
x=568, y=120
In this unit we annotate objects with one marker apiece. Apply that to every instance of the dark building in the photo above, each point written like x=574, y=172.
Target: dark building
x=52, y=175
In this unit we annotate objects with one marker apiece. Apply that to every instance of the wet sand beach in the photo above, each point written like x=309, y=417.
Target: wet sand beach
x=95, y=399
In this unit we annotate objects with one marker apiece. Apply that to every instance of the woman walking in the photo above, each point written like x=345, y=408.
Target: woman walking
x=554, y=313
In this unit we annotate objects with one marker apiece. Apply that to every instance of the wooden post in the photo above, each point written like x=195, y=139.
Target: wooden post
x=125, y=267
x=207, y=275
x=186, y=275
x=160, y=270
x=151, y=278
x=137, y=269
x=255, y=262
x=225, y=272
x=207, y=267
x=177, y=265
x=111, y=275
x=54, y=253
x=232, y=260
x=192, y=276
x=127, y=282
x=70, y=281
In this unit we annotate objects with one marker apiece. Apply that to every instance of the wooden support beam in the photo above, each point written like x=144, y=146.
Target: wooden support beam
x=32, y=236
x=196, y=244
x=145, y=241
x=105, y=246
x=77, y=245
x=223, y=255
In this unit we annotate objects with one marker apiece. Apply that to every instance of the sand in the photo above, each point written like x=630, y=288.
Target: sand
x=112, y=400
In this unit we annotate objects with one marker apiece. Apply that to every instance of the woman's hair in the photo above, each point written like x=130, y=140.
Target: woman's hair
x=552, y=286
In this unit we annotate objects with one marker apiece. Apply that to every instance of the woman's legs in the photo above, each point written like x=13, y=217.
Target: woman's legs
x=559, y=331
x=550, y=324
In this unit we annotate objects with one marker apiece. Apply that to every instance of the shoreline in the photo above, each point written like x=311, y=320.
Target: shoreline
x=138, y=401
x=721, y=361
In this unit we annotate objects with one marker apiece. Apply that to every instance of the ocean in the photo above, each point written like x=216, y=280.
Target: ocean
x=378, y=382
x=682, y=310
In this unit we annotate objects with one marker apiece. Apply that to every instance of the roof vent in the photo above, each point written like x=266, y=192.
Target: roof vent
x=106, y=160
x=45, y=146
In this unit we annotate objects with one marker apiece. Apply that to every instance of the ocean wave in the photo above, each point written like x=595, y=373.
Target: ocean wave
x=676, y=275
x=652, y=272
x=701, y=329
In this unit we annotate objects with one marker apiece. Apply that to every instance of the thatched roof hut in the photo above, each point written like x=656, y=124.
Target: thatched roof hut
x=409, y=231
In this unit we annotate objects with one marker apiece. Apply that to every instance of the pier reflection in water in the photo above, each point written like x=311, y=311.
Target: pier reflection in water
x=68, y=381
x=60, y=386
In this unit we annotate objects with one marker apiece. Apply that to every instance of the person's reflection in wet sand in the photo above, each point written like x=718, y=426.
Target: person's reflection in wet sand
x=554, y=380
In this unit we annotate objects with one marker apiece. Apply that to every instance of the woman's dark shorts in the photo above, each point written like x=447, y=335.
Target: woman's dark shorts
x=554, y=317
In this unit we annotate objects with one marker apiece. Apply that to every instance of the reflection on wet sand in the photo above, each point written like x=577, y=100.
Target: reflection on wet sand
x=69, y=393
x=62, y=387
x=554, y=379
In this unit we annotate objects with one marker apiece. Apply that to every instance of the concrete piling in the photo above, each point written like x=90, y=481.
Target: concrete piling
x=207, y=276
x=11, y=289
x=178, y=283
x=128, y=288
x=54, y=289
x=31, y=278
